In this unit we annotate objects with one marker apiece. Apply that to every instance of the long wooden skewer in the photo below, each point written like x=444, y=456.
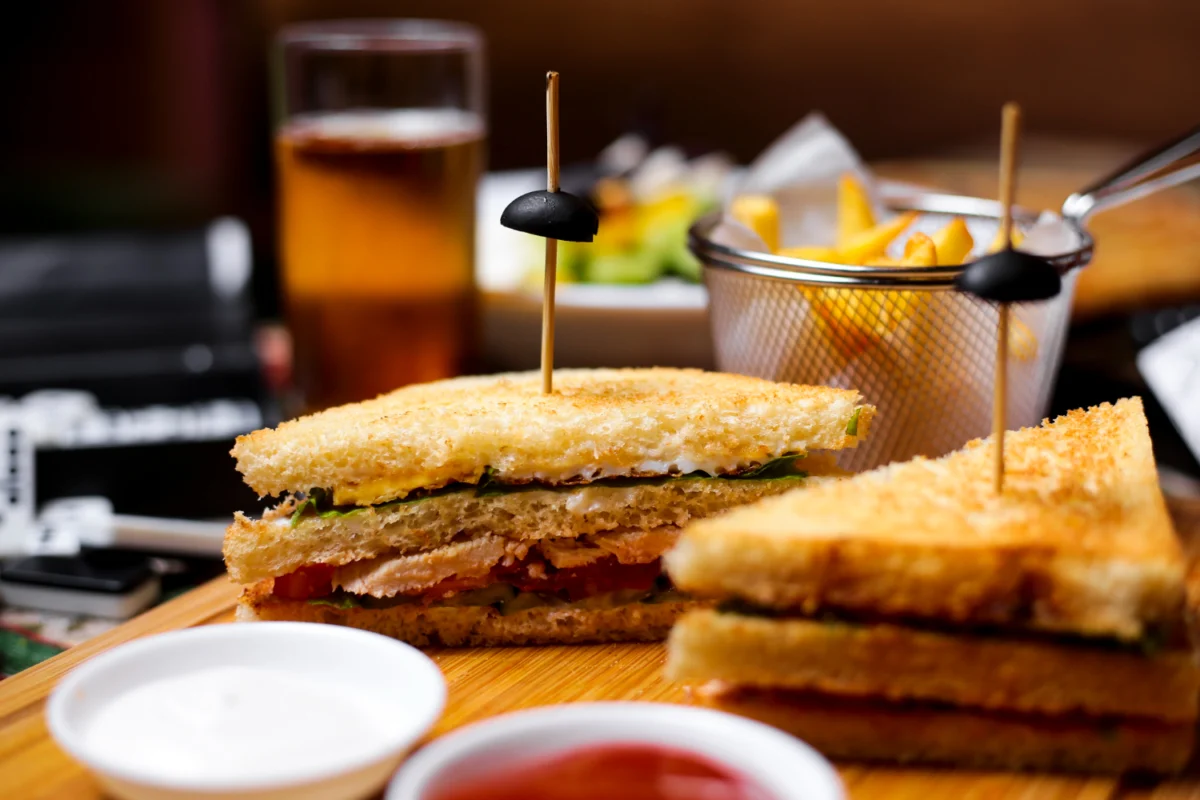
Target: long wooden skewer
x=551, y=244
x=1009, y=136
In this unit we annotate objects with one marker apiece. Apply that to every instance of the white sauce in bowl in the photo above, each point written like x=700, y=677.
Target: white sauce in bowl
x=231, y=723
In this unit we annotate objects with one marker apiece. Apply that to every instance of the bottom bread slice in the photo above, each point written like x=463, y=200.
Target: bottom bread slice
x=879, y=730
x=467, y=626
x=902, y=663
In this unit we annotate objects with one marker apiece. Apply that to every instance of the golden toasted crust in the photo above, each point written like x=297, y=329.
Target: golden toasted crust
x=903, y=663
x=596, y=422
x=877, y=730
x=468, y=626
x=269, y=547
x=1080, y=540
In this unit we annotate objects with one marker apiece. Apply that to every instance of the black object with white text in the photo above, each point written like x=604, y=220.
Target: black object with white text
x=98, y=584
x=131, y=359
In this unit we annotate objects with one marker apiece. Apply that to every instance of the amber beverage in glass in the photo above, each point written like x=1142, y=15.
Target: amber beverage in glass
x=379, y=150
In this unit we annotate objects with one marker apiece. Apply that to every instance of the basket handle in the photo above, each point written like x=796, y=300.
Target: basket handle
x=1168, y=165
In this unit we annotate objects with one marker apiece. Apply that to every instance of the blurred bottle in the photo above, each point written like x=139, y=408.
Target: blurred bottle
x=379, y=156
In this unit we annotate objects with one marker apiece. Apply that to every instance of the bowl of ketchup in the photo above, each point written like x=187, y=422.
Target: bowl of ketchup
x=631, y=751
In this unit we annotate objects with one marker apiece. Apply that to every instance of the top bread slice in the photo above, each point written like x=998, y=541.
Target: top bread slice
x=1079, y=542
x=597, y=423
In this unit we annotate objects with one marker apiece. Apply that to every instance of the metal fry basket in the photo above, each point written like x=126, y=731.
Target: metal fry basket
x=920, y=351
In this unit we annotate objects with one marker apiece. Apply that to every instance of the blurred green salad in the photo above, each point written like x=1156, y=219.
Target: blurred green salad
x=645, y=211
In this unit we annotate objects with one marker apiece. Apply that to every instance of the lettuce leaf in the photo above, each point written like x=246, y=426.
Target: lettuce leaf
x=314, y=499
x=343, y=601
x=852, y=425
x=489, y=486
x=776, y=468
x=319, y=502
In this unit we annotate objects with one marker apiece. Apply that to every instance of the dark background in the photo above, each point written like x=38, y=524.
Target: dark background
x=144, y=113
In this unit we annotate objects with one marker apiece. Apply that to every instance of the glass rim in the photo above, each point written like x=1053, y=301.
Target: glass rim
x=382, y=34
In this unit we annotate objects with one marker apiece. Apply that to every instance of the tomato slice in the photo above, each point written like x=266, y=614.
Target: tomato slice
x=314, y=580
x=600, y=577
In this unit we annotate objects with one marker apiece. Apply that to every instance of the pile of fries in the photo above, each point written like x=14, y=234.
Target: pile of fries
x=851, y=318
x=861, y=239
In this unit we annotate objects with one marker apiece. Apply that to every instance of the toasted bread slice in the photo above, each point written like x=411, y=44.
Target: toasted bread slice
x=878, y=730
x=274, y=546
x=895, y=662
x=596, y=423
x=1080, y=541
x=463, y=626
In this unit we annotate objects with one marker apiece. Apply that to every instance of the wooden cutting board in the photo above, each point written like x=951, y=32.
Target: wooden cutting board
x=486, y=682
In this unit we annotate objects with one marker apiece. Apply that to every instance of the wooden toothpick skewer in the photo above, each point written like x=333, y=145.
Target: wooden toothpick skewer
x=555, y=216
x=551, y=244
x=1009, y=134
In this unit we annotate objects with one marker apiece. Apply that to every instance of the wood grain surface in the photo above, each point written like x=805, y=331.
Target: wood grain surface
x=486, y=682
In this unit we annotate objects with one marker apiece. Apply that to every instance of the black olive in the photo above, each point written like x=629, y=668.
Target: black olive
x=552, y=215
x=1010, y=276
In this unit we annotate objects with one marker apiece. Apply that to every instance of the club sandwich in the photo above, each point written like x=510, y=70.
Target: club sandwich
x=480, y=511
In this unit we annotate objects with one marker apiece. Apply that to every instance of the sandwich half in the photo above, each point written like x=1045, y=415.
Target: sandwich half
x=480, y=511
x=1052, y=621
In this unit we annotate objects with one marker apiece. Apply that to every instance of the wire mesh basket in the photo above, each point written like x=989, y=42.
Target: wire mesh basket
x=920, y=351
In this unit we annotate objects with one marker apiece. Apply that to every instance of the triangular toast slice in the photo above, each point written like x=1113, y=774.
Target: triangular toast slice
x=1032, y=673
x=880, y=730
x=1079, y=542
x=598, y=423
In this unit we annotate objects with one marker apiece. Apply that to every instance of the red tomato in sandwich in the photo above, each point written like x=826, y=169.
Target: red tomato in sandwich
x=593, y=579
x=314, y=580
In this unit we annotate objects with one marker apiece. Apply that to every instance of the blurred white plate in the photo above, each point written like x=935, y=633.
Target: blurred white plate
x=661, y=324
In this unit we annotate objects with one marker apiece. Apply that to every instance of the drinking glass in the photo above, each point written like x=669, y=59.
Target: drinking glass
x=379, y=146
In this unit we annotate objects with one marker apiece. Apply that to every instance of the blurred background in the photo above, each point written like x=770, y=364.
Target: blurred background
x=136, y=113
x=139, y=255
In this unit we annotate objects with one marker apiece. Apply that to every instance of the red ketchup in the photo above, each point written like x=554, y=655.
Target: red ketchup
x=606, y=772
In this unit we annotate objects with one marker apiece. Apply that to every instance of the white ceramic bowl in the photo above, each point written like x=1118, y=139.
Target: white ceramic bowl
x=785, y=767
x=393, y=677
x=663, y=324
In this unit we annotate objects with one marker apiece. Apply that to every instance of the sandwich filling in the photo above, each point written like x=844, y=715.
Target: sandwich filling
x=600, y=568
x=1155, y=639
x=591, y=572
x=327, y=503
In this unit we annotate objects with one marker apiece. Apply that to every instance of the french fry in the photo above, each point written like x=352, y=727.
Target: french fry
x=998, y=243
x=854, y=214
x=846, y=321
x=759, y=213
x=854, y=320
x=919, y=251
x=953, y=242
x=812, y=253
x=871, y=243
x=1022, y=342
